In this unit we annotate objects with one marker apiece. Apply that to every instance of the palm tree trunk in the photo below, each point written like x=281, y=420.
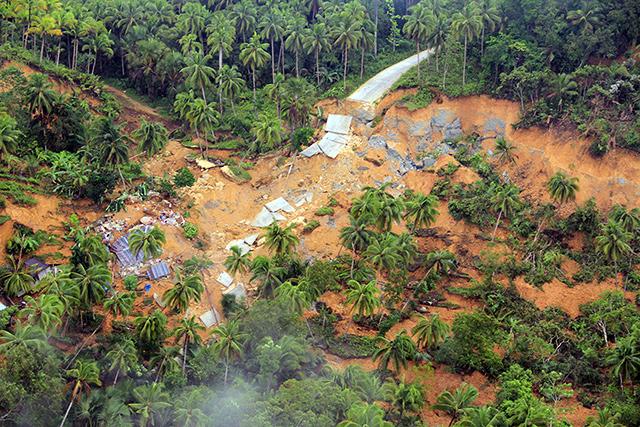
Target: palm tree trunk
x=95, y=61
x=493, y=236
x=226, y=371
x=58, y=52
x=361, y=64
x=464, y=62
x=446, y=67
x=297, y=65
x=318, y=66
x=42, y=48
x=375, y=29
x=346, y=64
x=115, y=380
x=73, y=396
x=273, y=59
x=418, y=53
x=204, y=96
x=482, y=41
x=184, y=353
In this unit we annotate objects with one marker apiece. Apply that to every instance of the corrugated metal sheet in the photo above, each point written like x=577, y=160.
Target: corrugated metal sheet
x=158, y=271
x=121, y=244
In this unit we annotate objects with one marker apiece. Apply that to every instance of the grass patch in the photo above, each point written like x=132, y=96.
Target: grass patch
x=310, y=226
x=231, y=144
x=348, y=346
x=420, y=99
x=4, y=218
x=324, y=211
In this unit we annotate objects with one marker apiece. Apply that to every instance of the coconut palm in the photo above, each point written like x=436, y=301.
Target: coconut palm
x=185, y=290
x=222, y=34
x=365, y=415
x=187, y=331
x=237, y=262
x=41, y=97
x=429, y=332
x=268, y=273
x=267, y=132
x=60, y=284
x=294, y=41
x=120, y=303
x=272, y=28
x=625, y=360
x=418, y=24
x=228, y=344
x=244, y=15
x=383, y=253
x=455, y=403
x=83, y=375
x=397, y=351
x=482, y=416
x=199, y=75
x=165, y=360
x=467, y=24
x=203, y=118
x=122, y=357
x=295, y=295
x=586, y=19
x=604, y=418
x=281, y=241
x=389, y=212
x=16, y=278
x=356, y=236
x=92, y=282
x=504, y=150
x=149, y=241
x=438, y=37
x=490, y=17
x=149, y=401
x=45, y=312
x=113, y=145
x=253, y=54
x=186, y=409
x=441, y=262
x=421, y=210
x=25, y=336
x=562, y=188
x=151, y=329
x=315, y=41
x=564, y=88
x=613, y=242
x=151, y=137
x=9, y=135
x=346, y=34
x=363, y=298
x=89, y=250
x=628, y=219
x=404, y=396
x=505, y=200
x=230, y=82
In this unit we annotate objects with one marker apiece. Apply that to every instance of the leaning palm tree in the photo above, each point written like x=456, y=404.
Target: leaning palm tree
x=237, y=262
x=467, y=24
x=505, y=201
x=629, y=219
x=504, y=150
x=421, y=210
x=199, y=75
x=625, y=360
x=9, y=135
x=149, y=401
x=562, y=188
x=149, y=241
x=230, y=83
x=187, y=331
x=254, y=55
x=586, y=19
x=84, y=374
x=122, y=358
x=280, y=240
x=455, y=403
x=185, y=290
x=357, y=235
x=429, y=332
x=441, y=262
x=16, y=278
x=397, y=351
x=268, y=273
x=363, y=298
x=45, y=312
x=151, y=137
x=25, y=336
x=120, y=303
x=613, y=242
x=228, y=344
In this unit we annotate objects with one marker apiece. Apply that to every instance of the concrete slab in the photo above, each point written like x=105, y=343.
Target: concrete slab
x=210, y=318
x=279, y=204
x=225, y=279
x=263, y=219
x=240, y=244
x=307, y=197
x=251, y=239
x=331, y=144
x=311, y=151
x=238, y=290
x=338, y=123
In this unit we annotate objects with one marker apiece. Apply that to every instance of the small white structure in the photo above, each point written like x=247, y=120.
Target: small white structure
x=271, y=213
x=225, y=279
x=210, y=318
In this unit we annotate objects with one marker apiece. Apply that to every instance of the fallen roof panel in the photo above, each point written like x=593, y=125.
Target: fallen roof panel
x=225, y=279
x=279, y=204
x=210, y=318
x=311, y=150
x=158, y=271
x=263, y=219
x=338, y=123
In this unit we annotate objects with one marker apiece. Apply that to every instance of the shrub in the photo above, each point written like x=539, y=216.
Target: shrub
x=324, y=211
x=310, y=226
x=300, y=137
x=190, y=230
x=184, y=178
x=3, y=202
x=131, y=282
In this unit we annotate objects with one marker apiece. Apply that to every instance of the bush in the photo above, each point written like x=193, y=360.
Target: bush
x=324, y=211
x=131, y=282
x=190, y=230
x=310, y=226
x=300, y=137
x=184, y=178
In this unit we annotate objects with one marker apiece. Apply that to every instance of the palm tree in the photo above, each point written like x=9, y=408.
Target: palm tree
x=25, y=336
x=151, y=137
x=316, y=41
x=113, y=146
x=365, y=415
x=228, y=343
x=122, y=357
x=84, y=374
x=482, y=416
x=613, y=242
x=363, y=298
x=295, y=295
x=254, y=55
x=587, y=19
x=404, y=396
x=397, y=351
x=441, y=262
x=272, y=28
x=149, y=241
x=604, y=418
x=230, y=82
x=149, y=401
x=438, y=37
x=9, y=135
x=490, y=19
x=505, y=200
x=504, y=150
x=625, y=360
x=356, y=236
x=187, y=330
x=269, y=274
x=562, y=187
x=275, y=91
x=244, y=15
x=60, y=284
x=389, y=212
x=417, y=27
x=564, y=87
x=466, y=23
x=151, y=329
x=89, y=250
x=295, y=39
x=92, y=282
x=185, y=290
x=346, y=35
x=45, y=312
x=383, y=253
x=280, y=240
x=628, y=219
x=237, y=262
x=455, y=403
x=120, y=303
x=165, y=360
x=186, y=410
x=199, y=75
x=40, y=96
x=429, y=332
x=15, y=277
x=267, y=132
x=421, y=210
x=203, y=118
x=222, y=34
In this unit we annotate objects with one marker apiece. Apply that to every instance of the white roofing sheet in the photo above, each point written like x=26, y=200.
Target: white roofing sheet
x=311, y=151
x=338, y=123
x=279, y=204
x=210, y=318
x=225, y=279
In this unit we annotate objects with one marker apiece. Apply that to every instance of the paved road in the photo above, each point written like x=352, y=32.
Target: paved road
x=375, y=88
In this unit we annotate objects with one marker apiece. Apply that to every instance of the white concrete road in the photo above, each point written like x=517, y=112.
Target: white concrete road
x=375, y=88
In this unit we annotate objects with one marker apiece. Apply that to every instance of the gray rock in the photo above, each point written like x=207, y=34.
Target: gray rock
x=420, y=128
x=377, y=141
x=495, y=126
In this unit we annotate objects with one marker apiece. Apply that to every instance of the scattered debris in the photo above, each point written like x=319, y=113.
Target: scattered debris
x=225, y=279
x=338, y=123
x=238, y=290
x=205, y=164
x=158, y=300
x=158, y=270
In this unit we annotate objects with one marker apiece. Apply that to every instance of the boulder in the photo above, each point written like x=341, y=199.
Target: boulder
x=377, y=156
x=228, y=173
